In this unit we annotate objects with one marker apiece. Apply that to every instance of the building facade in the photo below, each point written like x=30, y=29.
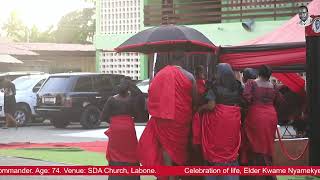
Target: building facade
x=220, y=20
x=118, y=17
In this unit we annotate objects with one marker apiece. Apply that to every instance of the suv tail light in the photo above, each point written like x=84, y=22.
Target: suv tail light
x=67, y=102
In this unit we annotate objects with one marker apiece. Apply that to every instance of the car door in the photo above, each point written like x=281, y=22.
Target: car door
x=33, y=99
x=104, y=87
x=1, y=104
x=84, y=92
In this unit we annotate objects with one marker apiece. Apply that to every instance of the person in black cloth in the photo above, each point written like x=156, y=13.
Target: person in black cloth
x=221, y=121
x=9, y=90
x=118, y=112
x=139, y=102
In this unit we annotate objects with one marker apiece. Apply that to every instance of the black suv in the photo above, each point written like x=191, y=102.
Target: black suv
x=74, y=97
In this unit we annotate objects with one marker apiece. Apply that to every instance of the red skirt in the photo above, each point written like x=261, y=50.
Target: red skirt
x=259, y=131
x=164, y=135
x=221, y=135
x=122, y=145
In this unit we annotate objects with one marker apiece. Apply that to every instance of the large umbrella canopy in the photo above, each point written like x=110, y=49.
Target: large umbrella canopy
x=167, y=38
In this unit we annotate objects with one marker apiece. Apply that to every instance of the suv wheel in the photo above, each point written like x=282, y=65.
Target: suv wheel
x=59, y=122
x=22, y=115
x=90, y=117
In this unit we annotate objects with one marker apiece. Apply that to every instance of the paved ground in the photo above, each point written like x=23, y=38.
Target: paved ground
x=38, y=133
x=45, y=133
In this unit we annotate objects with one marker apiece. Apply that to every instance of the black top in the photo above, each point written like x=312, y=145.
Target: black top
x=115, y=107
x=225, y=96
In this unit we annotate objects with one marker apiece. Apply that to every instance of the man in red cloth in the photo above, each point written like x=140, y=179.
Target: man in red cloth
x=170, y=103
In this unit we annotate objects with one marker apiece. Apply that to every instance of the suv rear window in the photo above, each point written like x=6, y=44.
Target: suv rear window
x=57, y=84
x=103, y=83
x=84, y=84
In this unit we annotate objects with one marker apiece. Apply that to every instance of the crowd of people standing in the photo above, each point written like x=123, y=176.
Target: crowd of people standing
x=223, y=121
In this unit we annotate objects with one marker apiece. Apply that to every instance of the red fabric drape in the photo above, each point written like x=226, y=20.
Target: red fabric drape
x=221, y=135
x=293, y=81
x=201, y=86
x=170, y=107
x=271, y=57
x=118, y=150
x=170, y=95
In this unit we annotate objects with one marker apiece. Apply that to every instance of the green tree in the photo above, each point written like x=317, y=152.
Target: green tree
x=76, y=27
x=36, y=36
x=15, y=28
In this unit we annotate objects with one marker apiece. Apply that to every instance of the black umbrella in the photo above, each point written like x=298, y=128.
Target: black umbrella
x=167, y=38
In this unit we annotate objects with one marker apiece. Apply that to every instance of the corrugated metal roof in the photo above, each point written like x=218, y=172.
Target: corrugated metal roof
x=34, y=48
x=11, y=49
x=4, y=58
x=55, y=47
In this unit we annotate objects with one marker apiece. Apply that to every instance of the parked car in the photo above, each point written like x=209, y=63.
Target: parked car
x=14, y=75
x=26, y=97
x=2, y=115
x=74, y=97
x=144, y=86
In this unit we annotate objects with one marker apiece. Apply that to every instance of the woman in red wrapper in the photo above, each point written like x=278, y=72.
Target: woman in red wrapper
x=201, y=89
x=166, y=138
x=261, y=121
x=122, y=145
x=221, y=121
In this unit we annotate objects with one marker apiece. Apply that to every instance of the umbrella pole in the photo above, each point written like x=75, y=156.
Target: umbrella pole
x=155, y=55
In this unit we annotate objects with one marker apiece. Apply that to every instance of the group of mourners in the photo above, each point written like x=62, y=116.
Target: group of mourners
x=223, y=121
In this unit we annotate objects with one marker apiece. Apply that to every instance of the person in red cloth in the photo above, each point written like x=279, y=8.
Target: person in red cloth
x=221, y=121
x=196, y=158
x=261, y=121
x=201, y=89
x=166, y=138
x=201, y=80
x=122, y=144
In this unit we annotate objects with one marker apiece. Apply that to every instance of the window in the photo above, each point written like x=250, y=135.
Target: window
x=102, y=83
x=39, y=84
x=57, y=84
x=84, y=84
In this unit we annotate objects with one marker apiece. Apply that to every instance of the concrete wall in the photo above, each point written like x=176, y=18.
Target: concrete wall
x=220, y=34
x=84, y=64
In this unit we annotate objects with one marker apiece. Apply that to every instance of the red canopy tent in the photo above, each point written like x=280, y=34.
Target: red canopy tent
x=283, y=49
x=284, y=46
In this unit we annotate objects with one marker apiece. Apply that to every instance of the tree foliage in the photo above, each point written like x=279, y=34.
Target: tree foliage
x=15, y=28
x=75, y=27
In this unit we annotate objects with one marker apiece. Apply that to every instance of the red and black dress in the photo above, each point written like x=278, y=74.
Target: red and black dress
x=122, y=145
x=221, y=136
x=260, y=124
